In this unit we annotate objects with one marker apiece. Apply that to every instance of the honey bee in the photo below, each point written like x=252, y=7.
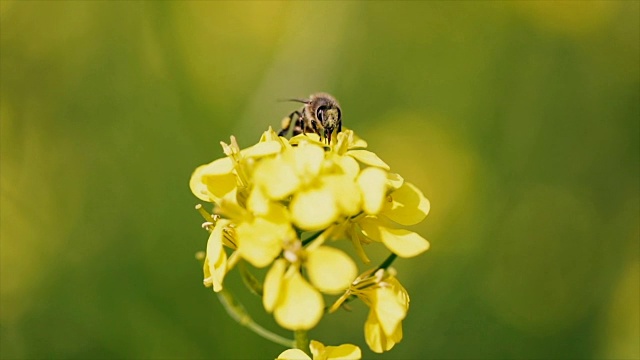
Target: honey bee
x=321, y=114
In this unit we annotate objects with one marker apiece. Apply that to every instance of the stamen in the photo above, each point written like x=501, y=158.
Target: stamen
x=290, y=256
x=379, y=275
x=293, y=251
x=226, y=148
x=234, y=144
x=228, y=238
x=207, y=217
x=208, y=225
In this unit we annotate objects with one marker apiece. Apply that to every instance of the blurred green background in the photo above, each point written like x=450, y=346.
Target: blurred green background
x=519, y=120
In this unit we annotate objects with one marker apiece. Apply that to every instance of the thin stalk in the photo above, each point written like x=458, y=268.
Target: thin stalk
x=302, y=340
x=250, y=280
x=239, y=314
x=387, y=262
x=312, y=237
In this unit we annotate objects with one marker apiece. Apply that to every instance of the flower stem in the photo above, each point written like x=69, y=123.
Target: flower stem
x=387, y=262
x=239, y=314
x=302, y=340
x=312, y=237
x=250, y=280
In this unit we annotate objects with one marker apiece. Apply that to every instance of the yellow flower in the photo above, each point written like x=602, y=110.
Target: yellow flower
x=350, y=145
x=296, y=303
x=216, y=265
x=269, y=194
x=388, y=302
x=406, y=206
x=211, y=182
x=347, y=144
x=322, y=352
x=260, y=239
x=319, y=189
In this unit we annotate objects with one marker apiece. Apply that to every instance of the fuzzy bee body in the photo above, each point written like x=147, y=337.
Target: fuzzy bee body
x=320, y=114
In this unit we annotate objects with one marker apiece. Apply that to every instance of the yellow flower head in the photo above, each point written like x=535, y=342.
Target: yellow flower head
x=211, y=182
x=270, y=197
x=388, y=302
x=403, y=206
x=318, y=189
x=215, y=263
x=297, y=304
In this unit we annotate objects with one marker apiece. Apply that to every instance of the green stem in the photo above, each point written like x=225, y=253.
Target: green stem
x=387, y=262
x=239, y=314
x=249, y=280
x=302, y=340
x=312, y=237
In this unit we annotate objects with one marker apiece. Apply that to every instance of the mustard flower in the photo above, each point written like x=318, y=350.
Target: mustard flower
x=268, y=195
x=382, y=221
x=322, y=352
x=261, y=238
x=388, y=302
x=215, y=262
x=319, y=189
x=348, y=144
x=211, y=182
x=296, y=303
x=405, y=206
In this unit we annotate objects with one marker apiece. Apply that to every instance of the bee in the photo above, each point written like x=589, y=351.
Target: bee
x=320, y=114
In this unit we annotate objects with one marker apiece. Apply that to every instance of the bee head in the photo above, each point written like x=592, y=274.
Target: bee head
x=329, y=117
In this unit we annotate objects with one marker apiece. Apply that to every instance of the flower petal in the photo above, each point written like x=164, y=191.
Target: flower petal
x=330, y=270
x=394, y=181
x=258, y=203
x=213, y=180
x=346, y=193
x=343, y=352
x=373, y=185
x=261, y=149
x=348, y=165
x=314, y=209
x=272, y=284
x=197, y=186
x=358, y=143
x=312, y=138
x=269, y=135
x=374, y=336
x=369, y=158
x=402, y=242
x=293, y=354
x=301, y=305
x=277, y=177
x=308, y=159
x=408, y=205
x=389, y=310
x=260, y=240
x=216, y=259
x=317, y=349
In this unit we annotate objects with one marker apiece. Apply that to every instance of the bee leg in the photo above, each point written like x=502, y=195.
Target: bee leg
x=317, y=128
x=286, y=123
x=299, y=127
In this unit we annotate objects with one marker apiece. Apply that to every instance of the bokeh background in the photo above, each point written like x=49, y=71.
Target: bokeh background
x=519, y=120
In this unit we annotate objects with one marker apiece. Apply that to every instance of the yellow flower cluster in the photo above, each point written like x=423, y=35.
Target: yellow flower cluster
x=280, y=201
